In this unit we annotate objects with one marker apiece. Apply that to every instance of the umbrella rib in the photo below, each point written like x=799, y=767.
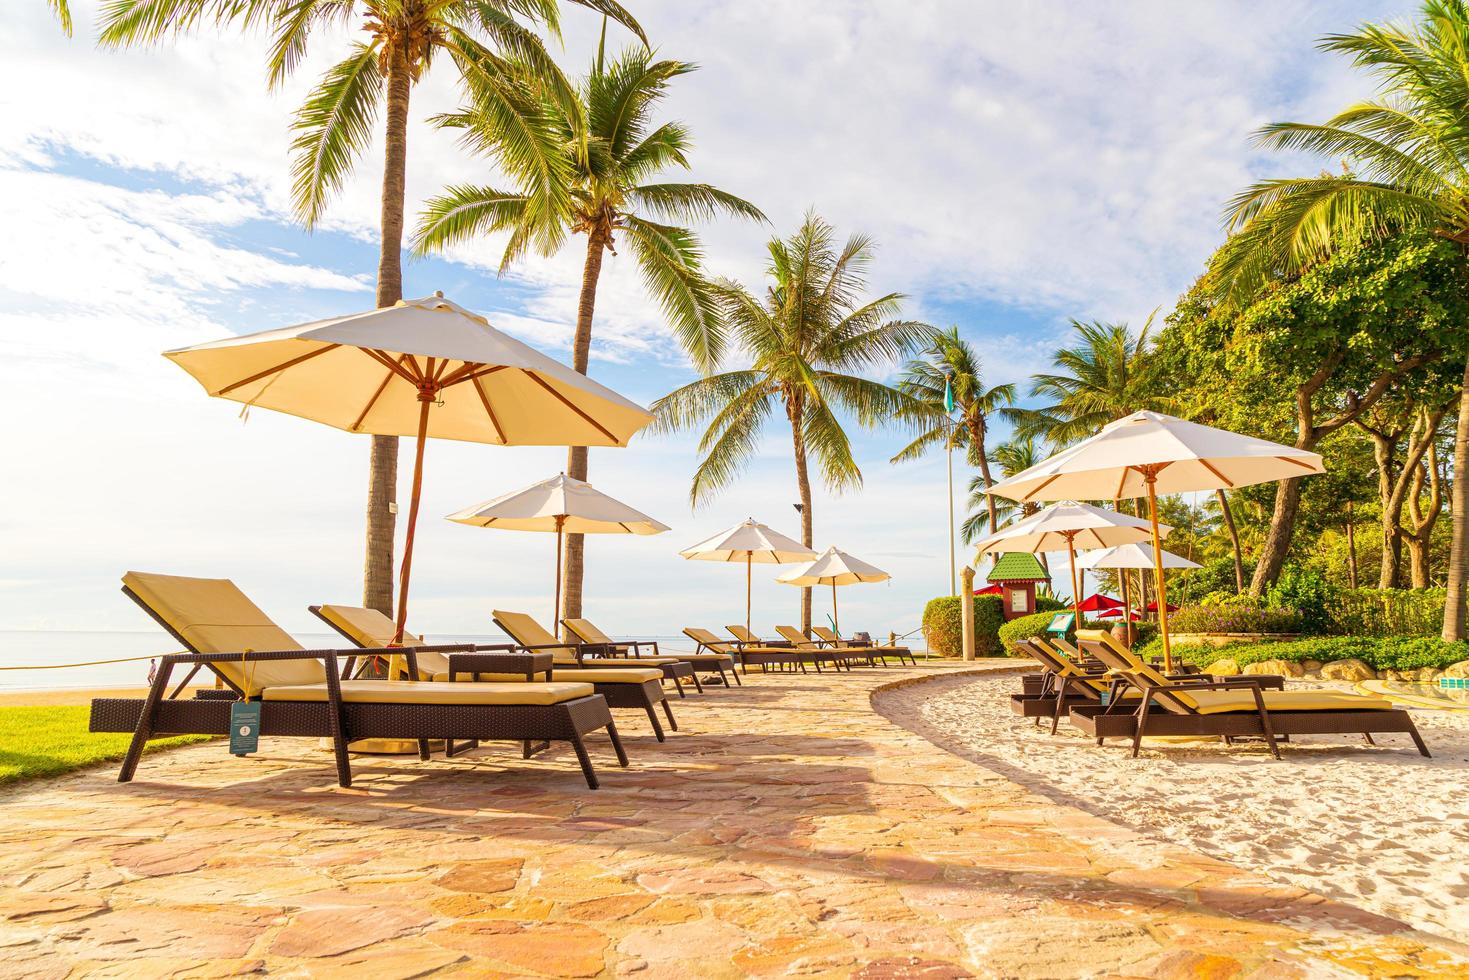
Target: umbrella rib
x=484, y=399
x=567, y=402
x=278, y=368
x=1302, y=465
x=372, y=401
x=386, y=360
x=1222, y=478
x=1038, y=489
x=1122, y=483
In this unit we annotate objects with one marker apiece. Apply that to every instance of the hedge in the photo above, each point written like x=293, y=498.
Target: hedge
x=1379, y=653
x=1023, y=629
x=943, y=625
x=1234, y=618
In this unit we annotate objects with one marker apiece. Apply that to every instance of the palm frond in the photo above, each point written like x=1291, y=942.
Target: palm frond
x=62, y=10
x=691, y=202
x=686, y=407
x=828, y=443
x=332, y=129
x=669, y=260
x=465, y=211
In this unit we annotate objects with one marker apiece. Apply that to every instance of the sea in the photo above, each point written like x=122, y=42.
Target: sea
x=40, y=660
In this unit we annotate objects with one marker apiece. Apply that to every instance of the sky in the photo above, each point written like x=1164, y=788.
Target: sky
x=1020, y=165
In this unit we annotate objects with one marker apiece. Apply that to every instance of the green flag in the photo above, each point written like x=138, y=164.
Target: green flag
x=948, y=396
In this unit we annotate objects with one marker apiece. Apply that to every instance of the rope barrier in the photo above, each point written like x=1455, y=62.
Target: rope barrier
x=88, y=663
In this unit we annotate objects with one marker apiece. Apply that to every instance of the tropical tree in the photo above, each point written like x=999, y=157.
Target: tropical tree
x=950, y=365
x=1405, y=153
x=1011, y=457
x=805, y=339
x=1103, y=378
x=588, y=168
x=335, y=124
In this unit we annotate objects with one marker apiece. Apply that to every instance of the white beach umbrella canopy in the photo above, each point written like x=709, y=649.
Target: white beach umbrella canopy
x=564, y=505
x=1148, y=453
x=833, y=567
x=1131, y=556
x=1066, y=527
x=752, y=543
x=425, y=368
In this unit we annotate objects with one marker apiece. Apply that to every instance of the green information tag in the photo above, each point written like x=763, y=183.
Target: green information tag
x=244, y=727
x=1061, y=623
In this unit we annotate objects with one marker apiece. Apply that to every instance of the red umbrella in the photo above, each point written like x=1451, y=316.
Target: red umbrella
x=1117, y=613
x=1098, y=602
x=990, y=590
x=1153, y=606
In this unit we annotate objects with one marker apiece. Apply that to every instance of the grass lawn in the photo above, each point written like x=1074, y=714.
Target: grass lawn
x=52, y=739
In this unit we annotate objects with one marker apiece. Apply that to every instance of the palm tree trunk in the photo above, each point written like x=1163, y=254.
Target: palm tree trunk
x=976, y=438
x=382, y=486
x=1458, y=571
x=803, y=483
x=1239, y=560
x=576, y=456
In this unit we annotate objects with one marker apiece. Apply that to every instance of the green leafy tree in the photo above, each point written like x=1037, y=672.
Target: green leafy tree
x=335, y=124
x=950, y=361
x=591, y=167
x=1404, y=153
x=806, y=338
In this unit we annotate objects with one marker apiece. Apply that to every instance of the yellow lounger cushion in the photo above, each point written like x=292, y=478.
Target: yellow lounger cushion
x=214, y=616
x=723, y=658
x=424, y=692
x=1218, y=702
x=587, y=676
x=371, y=628
x=651, y=661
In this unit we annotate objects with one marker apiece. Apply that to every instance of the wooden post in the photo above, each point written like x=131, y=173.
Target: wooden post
x=966, y=611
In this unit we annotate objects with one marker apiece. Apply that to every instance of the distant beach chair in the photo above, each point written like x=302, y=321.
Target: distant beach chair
x=624, y=683
x=301, y=692
x=814, y=652
x=872, y=651
x=599, y=644
x=747, y=655
x=1236, y=707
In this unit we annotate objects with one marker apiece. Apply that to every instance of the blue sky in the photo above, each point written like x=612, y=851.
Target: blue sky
x=1018, y=164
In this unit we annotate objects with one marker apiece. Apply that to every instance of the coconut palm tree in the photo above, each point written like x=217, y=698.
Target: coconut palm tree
x=592, y=173
x=1012, y=457
x=1404, y=154
x=949, y=361
x=1102, y=379
x=804, y=339
x=335, y=125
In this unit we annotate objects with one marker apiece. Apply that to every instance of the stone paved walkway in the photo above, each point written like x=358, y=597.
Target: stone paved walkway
x=788, y=830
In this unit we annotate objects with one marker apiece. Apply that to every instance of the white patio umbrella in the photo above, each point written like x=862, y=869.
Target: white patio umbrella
x=424, y=367
x=562, y=504
x=1148, y=453
x=833, y=567
x=1125, y=556
x=1067, y=526
x=750, y=542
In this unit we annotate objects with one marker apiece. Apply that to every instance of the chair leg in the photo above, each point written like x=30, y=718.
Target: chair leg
x=586, y=762
x=678, y=685
x=617, y=744
x=145, y=724
x=1056, y=708
x=339, y=749
x=1367, y=737
x=697, y=686
x=668, y=710
x=653, y=717
x=423, y=752
x=1418, y=739
x=1142, y=722
x=185, y=682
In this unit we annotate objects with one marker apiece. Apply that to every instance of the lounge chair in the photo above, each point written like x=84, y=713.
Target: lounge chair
x=871, y=651
x=813, y=651
x=755, y=655
x=1235, y=708
x=601, y=645
x=1066, y=686
x=302, y=693
x=624, y=683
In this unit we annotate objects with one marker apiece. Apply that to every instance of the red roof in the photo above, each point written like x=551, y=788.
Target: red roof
x=990, y=590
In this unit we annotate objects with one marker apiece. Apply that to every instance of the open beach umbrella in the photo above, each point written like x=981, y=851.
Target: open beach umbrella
x=833, y=568
x=1126, y=556
x=562, y=504
x=750, y=542
x=1096, y=602
x=424, y=367
x=1068, y=526
x=1148, y=453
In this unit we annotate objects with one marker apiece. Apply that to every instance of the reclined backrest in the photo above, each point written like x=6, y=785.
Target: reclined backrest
x=795, y=636
x=828, y=634
x=211, y=615
x=588, y=633
x=742, y=634
x=1102, y=645
x=1058, y=662
x=709, y=640
x=370, y=628
x=523, y=629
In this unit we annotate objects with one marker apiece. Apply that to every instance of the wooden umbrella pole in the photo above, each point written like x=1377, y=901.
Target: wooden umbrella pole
x=426, y=396
x=1126, y=606
x=556, y=609
x=748, y=555
x=1075, y=592
x=1162, y=590
x=835, y=625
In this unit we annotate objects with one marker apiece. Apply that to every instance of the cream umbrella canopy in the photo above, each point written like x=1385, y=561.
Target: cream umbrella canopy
x=1125, y=556
x=424, y=367
x=562, y=504
x=752, y=543
x=1148, y=453
x=833, y=568
x=1066, y=527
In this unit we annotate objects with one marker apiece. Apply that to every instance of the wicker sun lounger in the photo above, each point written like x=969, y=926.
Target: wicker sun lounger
x=599, y=644
x=301, y=692
x=624, y=683
x=815, y=652
x=1236, y=708
x=752, y=655
x=871, y=651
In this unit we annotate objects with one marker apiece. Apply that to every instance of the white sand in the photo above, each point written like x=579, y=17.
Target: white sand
x=1382, y=828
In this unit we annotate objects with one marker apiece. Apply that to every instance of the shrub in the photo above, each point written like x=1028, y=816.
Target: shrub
x=1024, y=628
x=1049, y=603
x=1308, y=593
x=1235, y=617
x=943, y=625
x=1387, y=612
x=1379, y=653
